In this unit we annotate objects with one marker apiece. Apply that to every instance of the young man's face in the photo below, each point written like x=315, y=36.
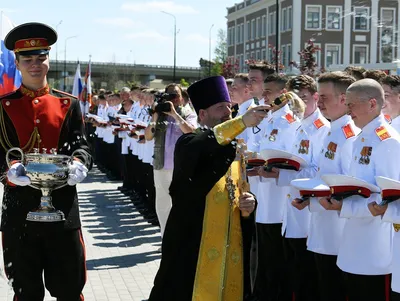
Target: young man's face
x=391, y=105
x=33, y=68
x=271, y=91
x=256, y=81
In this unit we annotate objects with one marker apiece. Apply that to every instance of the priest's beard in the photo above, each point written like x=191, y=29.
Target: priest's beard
x=213, y=121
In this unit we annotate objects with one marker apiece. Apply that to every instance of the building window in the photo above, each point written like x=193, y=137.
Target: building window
x=248, y=31
x=233, y=36
x=272, y=25
x=247, y=56
x=252, y=55
x=360, y=54
x=258, y=55
x=283, y=55
x=253, y=29
x=237, y=34
x=333, y=17
x=332, y=54
x=361, y=18
x=263, y=25
x=313, y=16
x=259, y=27
x=229, y=37
x=270, y=55
x=242, y=36
x=241, y=62
x=284, y=20
x=387, y=34
x=289, y=53
x=264, y=54
x=289, y=18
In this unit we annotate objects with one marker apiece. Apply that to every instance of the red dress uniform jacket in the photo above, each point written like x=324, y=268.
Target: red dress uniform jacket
x=46, y=118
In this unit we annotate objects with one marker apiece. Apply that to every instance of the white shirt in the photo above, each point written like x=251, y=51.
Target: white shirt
x=243, y=109
x=326, y=227
x=366, y=245
x=396, y=124
x=136, y=114
x=108, y=136
x=277, y=132
x=102, y=113
x=148, y=147
x=307, y=144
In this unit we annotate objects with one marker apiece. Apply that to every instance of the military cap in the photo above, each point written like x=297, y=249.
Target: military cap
x=31, y=39
x=311, y=187
x=390, y=189
x=282, y=159
x=343, y=186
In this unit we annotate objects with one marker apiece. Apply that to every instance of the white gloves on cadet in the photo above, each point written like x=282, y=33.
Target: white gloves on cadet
x=17, y=175
x=77, y=173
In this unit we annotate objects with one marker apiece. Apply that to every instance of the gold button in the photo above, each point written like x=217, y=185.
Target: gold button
x=359, y=191
x=65, y=101
x=37, y=120
x=288, y=195
x=36, y=101
x=301, y=131
x=362, y=140
x=7, y=103
x=329, y=133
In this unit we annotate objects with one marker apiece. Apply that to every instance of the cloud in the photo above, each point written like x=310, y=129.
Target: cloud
x=197, y=38
x=158, y=6
x=149, y=34
x=119, y=22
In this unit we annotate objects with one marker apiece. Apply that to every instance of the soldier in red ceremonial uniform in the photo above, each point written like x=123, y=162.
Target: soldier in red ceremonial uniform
x=36, y=116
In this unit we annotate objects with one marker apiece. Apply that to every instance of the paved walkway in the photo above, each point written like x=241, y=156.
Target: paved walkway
x=121, y=246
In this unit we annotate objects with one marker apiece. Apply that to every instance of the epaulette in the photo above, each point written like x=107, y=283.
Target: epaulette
x=382, y=133
x=348, y=131
x=289, y=118
x=63, y=94
x=318, y=123
x=12, y=95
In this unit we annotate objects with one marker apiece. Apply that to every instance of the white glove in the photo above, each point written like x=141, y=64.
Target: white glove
x=77, y=173
x=17, y=175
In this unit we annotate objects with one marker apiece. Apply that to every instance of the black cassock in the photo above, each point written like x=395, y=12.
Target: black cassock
x=199, y=163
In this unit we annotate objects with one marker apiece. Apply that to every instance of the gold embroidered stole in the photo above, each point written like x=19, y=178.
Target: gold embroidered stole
x=219, y=274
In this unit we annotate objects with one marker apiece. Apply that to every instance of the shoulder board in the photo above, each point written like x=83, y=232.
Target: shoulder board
x=11, y=95
x=318, y=123
x=382, y=133
x=289, y=118
x=348, y=131
x=388, y=119
x=62, y=93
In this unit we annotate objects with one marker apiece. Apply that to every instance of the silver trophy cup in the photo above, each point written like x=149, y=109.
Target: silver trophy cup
x=47, y=173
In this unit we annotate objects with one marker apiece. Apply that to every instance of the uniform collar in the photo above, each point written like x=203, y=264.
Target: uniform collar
x=341, y=122
x=281, y=112
x=310, y=119
x=245, y=106
x=396, y=121
x=32, y=93
x=375, y=123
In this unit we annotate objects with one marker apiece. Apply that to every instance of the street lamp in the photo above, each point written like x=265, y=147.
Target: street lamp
x=209, y=51
x=57, y=83
x=65, y=61
x=174, y=76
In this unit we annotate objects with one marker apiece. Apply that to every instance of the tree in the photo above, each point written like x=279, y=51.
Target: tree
x=184, y=83
x=308, y=63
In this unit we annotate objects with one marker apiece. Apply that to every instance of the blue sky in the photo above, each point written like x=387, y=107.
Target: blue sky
x=126, y=31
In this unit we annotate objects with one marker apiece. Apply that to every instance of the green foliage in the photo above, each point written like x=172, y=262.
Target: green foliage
x=184, y=83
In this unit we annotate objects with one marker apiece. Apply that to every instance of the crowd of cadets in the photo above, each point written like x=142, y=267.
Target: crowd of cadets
x=306, y=251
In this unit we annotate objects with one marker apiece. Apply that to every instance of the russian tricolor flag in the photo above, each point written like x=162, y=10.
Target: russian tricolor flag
x=10, y=77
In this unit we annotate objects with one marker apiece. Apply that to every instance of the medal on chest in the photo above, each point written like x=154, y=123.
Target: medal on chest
x=330, y=153
x=365, y=154
x=304, y=146
x=272, y=135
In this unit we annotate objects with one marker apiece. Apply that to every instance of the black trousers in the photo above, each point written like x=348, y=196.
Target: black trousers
x=150, y=189
x=59, y=255
x=302, y=269
x=134, y=172
x=125, y=171
x=363, y=287
x=330, y=278
x=395, y=296
x=271, y=282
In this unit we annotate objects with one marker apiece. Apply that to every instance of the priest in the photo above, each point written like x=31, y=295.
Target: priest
x=212, y=213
